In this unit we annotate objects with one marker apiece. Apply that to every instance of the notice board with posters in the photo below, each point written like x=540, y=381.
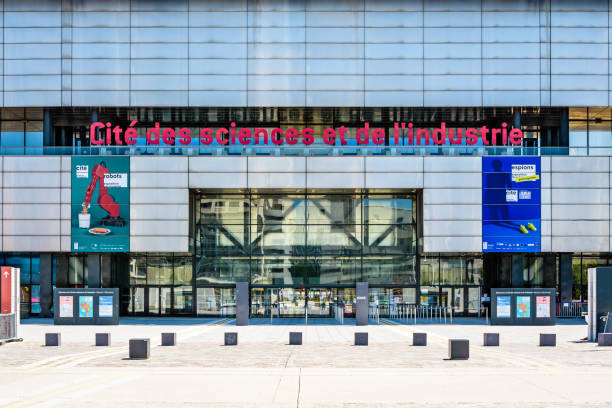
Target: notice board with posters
x=100, y=204
x=523, y=307
x=511, y=210
x=80, y=306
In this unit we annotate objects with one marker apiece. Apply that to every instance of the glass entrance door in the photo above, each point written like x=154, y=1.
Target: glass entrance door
x=319, y=302
x=453, y=297
x=292, y=302
x=159, y=301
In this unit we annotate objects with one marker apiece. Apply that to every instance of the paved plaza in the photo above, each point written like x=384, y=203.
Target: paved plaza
x=326, y=371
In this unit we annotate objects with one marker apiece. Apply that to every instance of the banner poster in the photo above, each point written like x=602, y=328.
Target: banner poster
x=542, y=306
x=66, y=306
x=523, y=306
x=100, y=198
x=85, y=306
x=105, y=306
x=503, y=306
x=511, y=199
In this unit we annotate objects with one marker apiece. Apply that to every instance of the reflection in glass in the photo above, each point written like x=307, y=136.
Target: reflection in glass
x=159, y=270
x=271, y=270
x=183, y=299
x=219, y=302
x=334, y=209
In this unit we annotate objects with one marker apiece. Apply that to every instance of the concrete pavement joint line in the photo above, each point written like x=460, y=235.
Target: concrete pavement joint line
x=89, y=390
x=64, y=390
x=513, y=357
x=90, y=355
x=194, y=331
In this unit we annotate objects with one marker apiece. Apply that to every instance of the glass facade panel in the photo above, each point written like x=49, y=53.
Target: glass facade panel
x=159, y=270
x=296, y=239
x=452, y=271
x=217, y=302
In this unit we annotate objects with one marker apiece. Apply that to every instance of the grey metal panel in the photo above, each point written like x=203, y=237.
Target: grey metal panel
x=580, y=164
x=276, y=164
x=31, y=163
x=277, y=180
x=580, y=196
x=452, y=244
x=25, y=180
x=159, y=244
x=159, y=228
x=452, y=212
x=453, y=180
x=580, y=212
x=159, y=196
x=159, y=212
x=583, y=244
x=452, y=164
x=335, y=180
x=452, y=196
x=31, y=211
x=242, y=303
x=159, y=164
x=217, y=180
x=393, y=164
x=12, y=227
x=31, y=243
x=452, y=228
x=362, y=302
x=581, y=228
x=393, y=180
x=217, y=164
x=580, y=180
x=158, y=180
x=335, y=164
x=31, y=195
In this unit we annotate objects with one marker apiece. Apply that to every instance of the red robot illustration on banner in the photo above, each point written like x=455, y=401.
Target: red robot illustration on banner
x=105, y=200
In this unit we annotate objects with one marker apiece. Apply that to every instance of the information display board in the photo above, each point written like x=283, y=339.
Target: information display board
x=86, y=306
x=511, y=213
x=526, y=307
x=100, y=210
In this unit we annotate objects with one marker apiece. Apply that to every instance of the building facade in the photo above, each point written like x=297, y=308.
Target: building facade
x=243, y=154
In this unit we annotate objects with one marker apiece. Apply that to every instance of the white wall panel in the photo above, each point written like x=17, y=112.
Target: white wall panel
x=452, y=196
x=581, y=244
x=580, y=212
x=159, y=244
x=452, y=228
x=393, y=164
x=394, y=180
x=277, y=180
x=452, y=212
x=335, y=180
x=217, y=164
x=154, y=212
x=452, y=244
x=217, y=180
x=31, y=243
x=453, y=180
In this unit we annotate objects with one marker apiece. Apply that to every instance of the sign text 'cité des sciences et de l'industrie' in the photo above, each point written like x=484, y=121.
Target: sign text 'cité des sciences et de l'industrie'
x=107, y=134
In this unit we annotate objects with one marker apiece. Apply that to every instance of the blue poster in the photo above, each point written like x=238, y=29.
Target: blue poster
x=503, y=306
x=105, y=306
x=511, y=204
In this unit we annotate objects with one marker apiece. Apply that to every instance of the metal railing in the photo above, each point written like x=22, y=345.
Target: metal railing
x=312, y=150
x=572, y=309
x=374, y=313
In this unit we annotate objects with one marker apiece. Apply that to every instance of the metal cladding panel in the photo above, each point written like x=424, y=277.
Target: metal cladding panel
x=361, y=296
x=242, y=304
